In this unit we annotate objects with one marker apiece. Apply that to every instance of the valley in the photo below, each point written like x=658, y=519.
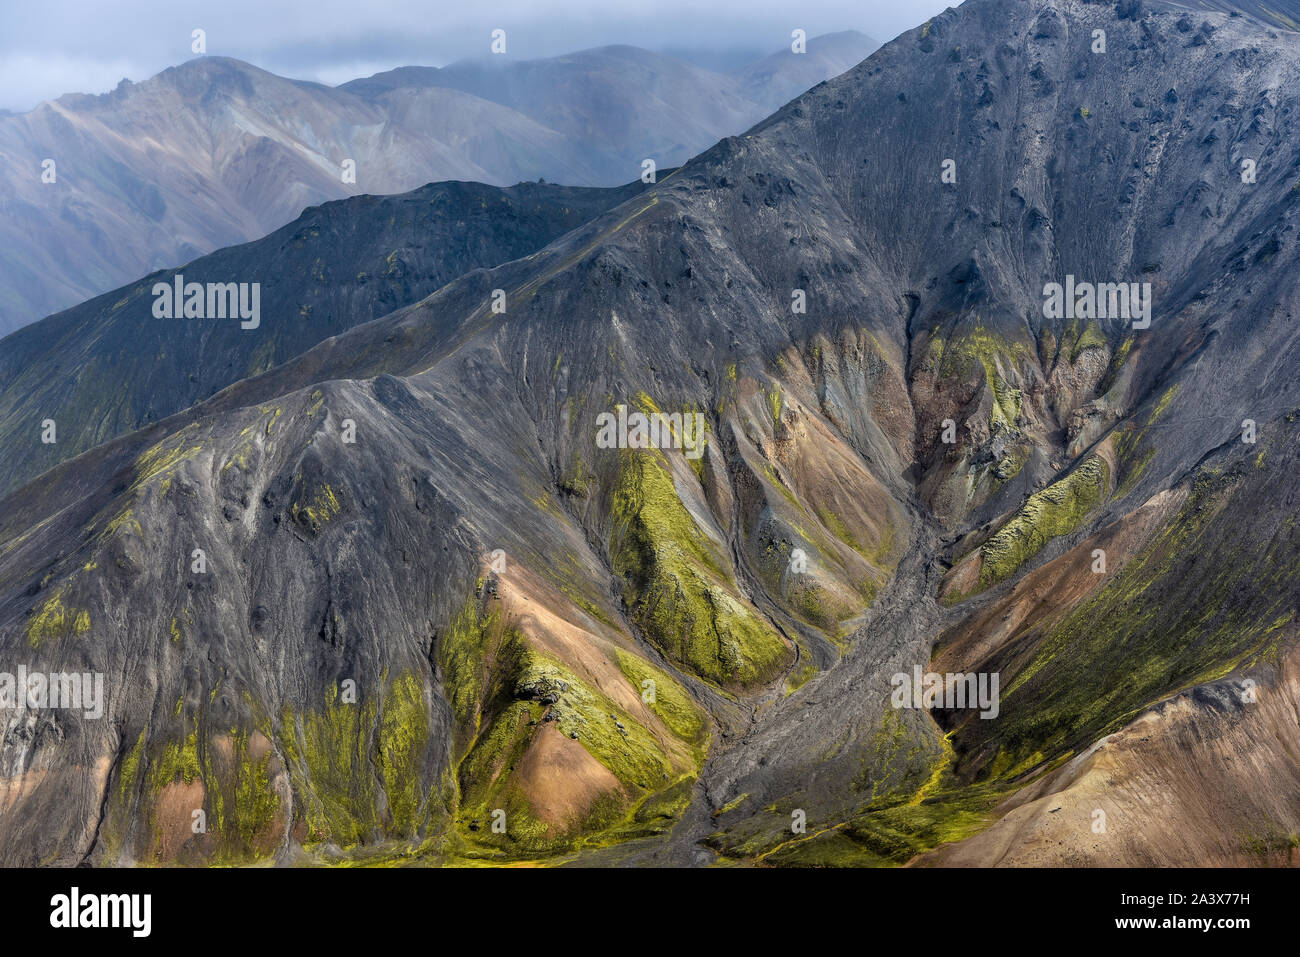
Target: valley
x=569, y=648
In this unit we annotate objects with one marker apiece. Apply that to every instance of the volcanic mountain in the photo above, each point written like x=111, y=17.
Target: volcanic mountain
x=391, y=600
x=107, y=366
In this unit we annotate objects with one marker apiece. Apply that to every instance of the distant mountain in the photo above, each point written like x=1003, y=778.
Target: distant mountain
x=908, y=460
x=776, y=79
x=622, y=103
x=217, y=152
x=108, y=366
x=1282, y=14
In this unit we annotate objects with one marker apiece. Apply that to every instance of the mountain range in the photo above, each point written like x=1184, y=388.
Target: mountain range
x=107, y=367
x=216, y=152
x=396, y=599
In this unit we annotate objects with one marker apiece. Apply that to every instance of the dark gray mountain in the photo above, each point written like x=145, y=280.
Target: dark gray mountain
x=430, y=596
x=109, y=366
x=216, y=152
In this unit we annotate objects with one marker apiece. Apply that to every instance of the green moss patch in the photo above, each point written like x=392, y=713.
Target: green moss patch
x=359, y=769
x=680, y=590
x=978, y=346
x=55, y=619
x=1211, y=593
x=505, y=693
x=1057, y=510
x=671, y=703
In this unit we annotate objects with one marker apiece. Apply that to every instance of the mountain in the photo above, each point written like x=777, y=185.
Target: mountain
x=109, y=366
x=777, y=79
x=216, y=152
x=623, y=102
x=911, y=461
x=1282, y=14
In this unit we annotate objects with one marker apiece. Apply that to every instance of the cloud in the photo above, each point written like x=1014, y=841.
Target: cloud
x=27, y=79
x=62, y=46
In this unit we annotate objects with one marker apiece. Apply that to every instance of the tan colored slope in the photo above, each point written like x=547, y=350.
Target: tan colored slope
x=562, y=780
x=554, y=626
x=1205, y=777
x=1047, y=593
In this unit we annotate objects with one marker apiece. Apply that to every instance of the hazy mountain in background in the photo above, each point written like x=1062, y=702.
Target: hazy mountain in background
x=780, y=77
x=420, y=505
x=216, y=152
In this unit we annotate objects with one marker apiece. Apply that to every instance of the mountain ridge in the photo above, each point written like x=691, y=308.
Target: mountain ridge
x=335, y=266
x=214, y=152
x=923, y=299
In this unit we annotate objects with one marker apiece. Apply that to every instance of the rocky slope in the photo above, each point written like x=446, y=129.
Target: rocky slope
x=215, y=151
x=108, y=366
x=532, y=581
x=1281, y=14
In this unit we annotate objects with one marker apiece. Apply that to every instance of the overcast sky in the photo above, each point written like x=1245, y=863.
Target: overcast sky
x=51, y=47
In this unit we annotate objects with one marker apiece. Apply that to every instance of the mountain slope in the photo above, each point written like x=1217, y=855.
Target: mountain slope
x=532, y=580
x=775, y=80
x=1282, y=14
x=109, y=366
x=216, y=152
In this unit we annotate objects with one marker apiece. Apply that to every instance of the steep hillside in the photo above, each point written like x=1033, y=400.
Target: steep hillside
x=908, y=460
x=1281, y=14
x=109, y=366
x=777, y=79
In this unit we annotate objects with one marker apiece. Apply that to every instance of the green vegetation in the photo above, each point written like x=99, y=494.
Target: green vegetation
x=1091, y=338
x=912, y=808
x=165, y=456
x=341, y=756
x=318, y=509
x=774, y=404
x=1163, y=404
x=958, y=356
x=1274, y=844
x=576, y=482
x=671, y=703
x=1011, y=464
x=54, y=619
x=237, y=796
x=1204, y=597
x=1057, y=510
x=329, y=763
x=680, y=588
x=403, y=739
x=891, y=835
x=1131, y=456
x=797, y=679
x=1117, y=361
x=507, y=694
